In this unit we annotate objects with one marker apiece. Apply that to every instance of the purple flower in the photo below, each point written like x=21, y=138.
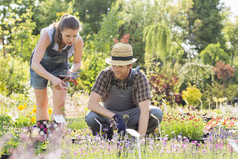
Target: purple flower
x=194, y=142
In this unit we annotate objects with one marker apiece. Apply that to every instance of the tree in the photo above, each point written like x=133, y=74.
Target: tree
x=158, y=39
x=195, y=73
x=91, y=13
x=223, y=71
x=212, y=54
x=205, y=23
x=231, y=35
x=11, y=17
x=48, y=11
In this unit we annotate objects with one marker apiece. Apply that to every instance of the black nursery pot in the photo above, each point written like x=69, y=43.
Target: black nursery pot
x=198, y=140
x=5, y=156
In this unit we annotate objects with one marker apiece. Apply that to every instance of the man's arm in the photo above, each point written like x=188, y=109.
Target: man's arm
x=96, y=107
x=144, y=117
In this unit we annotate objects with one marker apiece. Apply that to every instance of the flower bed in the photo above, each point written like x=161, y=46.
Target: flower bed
x=190, y=125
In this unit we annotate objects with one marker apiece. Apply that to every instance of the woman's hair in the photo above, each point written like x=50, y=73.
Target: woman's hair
x=66, y=21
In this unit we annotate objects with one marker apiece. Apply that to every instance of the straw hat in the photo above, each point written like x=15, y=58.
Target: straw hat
x=121, y=54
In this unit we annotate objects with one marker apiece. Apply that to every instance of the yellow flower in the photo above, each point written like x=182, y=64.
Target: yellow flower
x=34, y=110
x=33, y=119
x=34, y=106
x=50, y=110
x=20, y=107
x=30, y=112
x=25, y=105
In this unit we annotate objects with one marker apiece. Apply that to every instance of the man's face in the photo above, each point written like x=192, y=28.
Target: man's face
x=121, y=72
x=69, y=36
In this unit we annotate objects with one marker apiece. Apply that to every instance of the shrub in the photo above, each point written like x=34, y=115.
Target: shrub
x=223, y=71
x=192, y=95
x=163, y=87
x=14, y=75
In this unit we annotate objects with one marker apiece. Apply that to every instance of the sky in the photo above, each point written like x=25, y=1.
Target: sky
x=233, y=4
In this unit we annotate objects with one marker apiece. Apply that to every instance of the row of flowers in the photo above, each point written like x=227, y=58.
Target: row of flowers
x=30, y=114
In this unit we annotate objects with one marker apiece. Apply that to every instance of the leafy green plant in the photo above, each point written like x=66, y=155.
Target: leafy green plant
x=6, y=123
x=212, y=54
x=190, y=126
x=192, y=95
x=218, y=90
x=14, y=75
x=24, y=121
x=77, y=123
x=195, y=73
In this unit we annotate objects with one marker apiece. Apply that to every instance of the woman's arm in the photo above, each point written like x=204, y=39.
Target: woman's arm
x=43, y=43
x=78, y=52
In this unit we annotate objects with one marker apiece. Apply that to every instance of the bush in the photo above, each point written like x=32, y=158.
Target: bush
x=218, y=90
x=192, y=95
x=14, y=75
x=163, y=87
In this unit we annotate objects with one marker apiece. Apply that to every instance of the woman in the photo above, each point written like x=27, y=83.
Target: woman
x=49, y=60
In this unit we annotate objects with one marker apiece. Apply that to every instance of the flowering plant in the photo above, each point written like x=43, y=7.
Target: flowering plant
x=190, y=125
x=227, y=123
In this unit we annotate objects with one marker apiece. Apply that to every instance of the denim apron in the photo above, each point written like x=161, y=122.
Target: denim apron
x=53, y=61
x=120, y=101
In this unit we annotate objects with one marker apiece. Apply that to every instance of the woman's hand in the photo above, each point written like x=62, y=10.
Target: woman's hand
x=59, y=84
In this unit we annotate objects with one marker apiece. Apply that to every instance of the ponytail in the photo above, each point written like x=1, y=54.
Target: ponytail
x=66, y=21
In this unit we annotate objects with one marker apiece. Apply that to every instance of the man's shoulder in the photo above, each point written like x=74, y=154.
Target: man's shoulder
x=106, y=71
x=139, y=74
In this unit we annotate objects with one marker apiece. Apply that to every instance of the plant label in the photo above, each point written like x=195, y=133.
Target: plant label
x=59, y=118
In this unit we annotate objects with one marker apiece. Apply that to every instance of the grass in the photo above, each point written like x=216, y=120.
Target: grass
x=76, y=123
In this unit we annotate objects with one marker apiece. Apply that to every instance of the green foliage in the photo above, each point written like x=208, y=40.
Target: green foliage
x=23, y=121
x=158, y=39
x=23, y=42
x=195, y=73
x=231, y=35
x=187, y=126
x=77, y=123
x=212, y=54
x=13, y=143
x=14, y=75
x=192, y=95
x=5, y=123
x=93, y=63
x=46, y=12
x=10, y=24
x=109, y=29
x=91, y=13
x=218, y=90
x=205, y=23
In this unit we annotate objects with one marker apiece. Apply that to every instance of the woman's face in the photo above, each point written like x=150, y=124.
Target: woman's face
x=69, y=36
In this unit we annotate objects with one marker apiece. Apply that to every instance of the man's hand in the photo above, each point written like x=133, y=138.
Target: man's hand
x=120, y=124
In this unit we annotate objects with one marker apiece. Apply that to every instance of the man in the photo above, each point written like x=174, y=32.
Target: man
x=125, y=92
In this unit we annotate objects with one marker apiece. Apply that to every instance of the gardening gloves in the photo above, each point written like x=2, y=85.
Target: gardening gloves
x=120, y=124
